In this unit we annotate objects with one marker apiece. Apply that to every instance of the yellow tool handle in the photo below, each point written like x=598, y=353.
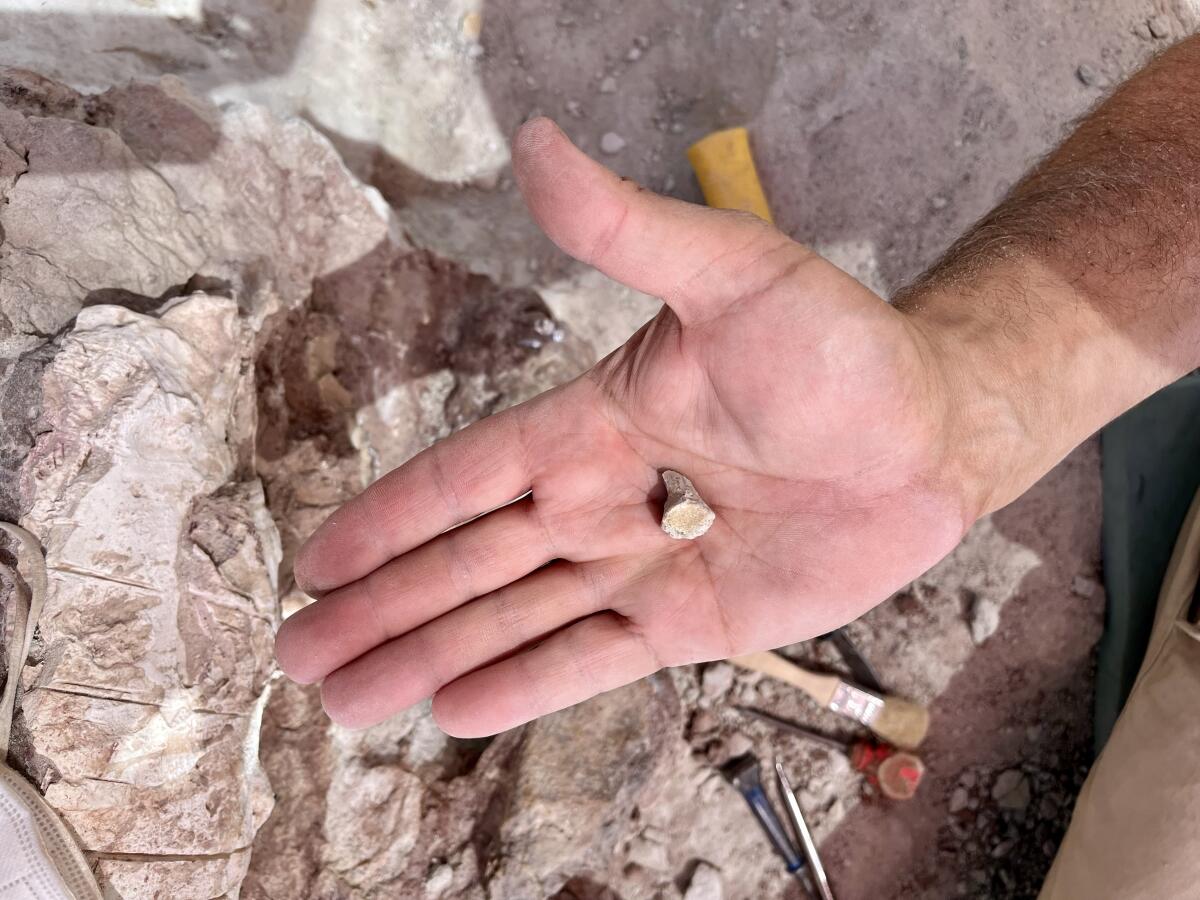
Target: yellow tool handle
x=819, y=687
x=725, y=169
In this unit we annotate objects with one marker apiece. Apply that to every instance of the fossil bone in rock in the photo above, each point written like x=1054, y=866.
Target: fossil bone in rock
x=685, y=514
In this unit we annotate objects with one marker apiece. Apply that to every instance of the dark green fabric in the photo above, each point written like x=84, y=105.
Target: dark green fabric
x=1150, y=472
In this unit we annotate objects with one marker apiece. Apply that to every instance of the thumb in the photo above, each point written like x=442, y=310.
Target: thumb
x=698, y=260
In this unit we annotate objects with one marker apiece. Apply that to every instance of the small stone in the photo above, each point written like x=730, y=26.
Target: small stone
x=959, y=800
x=634, y=54
x=685, y=515
x=1047, y=808
x=1088, y=75
x=475, y=51
x=574, y=109
x=737, y=744
x=967, y=779
x=1049, y=848
x=1083, y=586
x=1011, y=790
x=985, y=619
x=439, y=880
x=608, y=85
x=717, y=680
x=1159, y=27
x=668, y=184
x=649, y=854
x=1004, y=848
x=612, y=143
x=939, y=202
x=705, y=884
x=703, y=722
x=676, y=128
x=1142, y=30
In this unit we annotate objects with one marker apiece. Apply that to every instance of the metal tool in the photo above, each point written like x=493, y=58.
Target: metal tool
x=803, y=835
x=897, y=773
x=861, y=670
x=743, y=773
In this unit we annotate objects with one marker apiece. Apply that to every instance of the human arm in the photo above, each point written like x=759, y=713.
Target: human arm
x=845, y=444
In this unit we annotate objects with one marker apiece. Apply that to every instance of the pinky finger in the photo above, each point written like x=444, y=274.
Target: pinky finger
x=592, y=656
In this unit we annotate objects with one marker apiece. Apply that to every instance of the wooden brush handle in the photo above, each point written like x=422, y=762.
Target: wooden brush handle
x=819, y=687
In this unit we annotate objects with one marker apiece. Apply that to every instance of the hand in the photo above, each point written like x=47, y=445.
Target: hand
x=810, y=415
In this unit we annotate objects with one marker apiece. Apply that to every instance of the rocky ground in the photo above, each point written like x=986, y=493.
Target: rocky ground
x=314, y=335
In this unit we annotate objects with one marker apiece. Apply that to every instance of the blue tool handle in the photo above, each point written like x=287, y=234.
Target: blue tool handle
x=765, y=813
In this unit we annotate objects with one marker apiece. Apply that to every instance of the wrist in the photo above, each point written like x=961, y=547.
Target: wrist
x=1028, y=368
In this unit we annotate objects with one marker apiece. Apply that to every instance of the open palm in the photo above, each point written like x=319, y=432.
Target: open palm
x=805, y=409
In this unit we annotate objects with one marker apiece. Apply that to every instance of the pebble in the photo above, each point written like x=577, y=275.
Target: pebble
x=612, y=143
x=703, y=722
x=574, y=108
x=959, y=800
x=1082, y=586
x=439, y=880
x=608, y=85
x=1047, y=808
x=1088, y=75
x=634, y=54
x=1159, y=26
x=649, y=854
x=967, y=779
x=738, y=744
x=985, y=619
x=1004, y=848
x=1011, y=790
x=939, y=202
x=716, y=680
x=705, y=884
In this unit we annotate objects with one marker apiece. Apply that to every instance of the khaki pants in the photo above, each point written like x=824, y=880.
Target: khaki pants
x=1136, y=824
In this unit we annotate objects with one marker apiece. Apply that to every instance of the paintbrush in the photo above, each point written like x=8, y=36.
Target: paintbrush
x=899, y=722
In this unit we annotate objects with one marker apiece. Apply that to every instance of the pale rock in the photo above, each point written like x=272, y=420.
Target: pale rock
x=578, y=774
x=1012, y=790
x=959, y=800
x=1159, y=26
x=685, y=514
x=439, y=881
x=648, y=854
x=131, y=222
x=984, y=618
x=705, y=884
x=611, y=143
x=716, y=680
x=1082, y=586
x=161, y=601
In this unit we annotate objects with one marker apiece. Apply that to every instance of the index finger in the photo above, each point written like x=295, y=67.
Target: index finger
x=478, y=469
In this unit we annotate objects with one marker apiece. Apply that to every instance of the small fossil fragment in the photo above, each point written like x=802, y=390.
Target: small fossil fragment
x=685, y=514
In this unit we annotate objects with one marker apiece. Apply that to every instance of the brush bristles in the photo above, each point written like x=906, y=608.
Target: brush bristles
x=901, y=723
